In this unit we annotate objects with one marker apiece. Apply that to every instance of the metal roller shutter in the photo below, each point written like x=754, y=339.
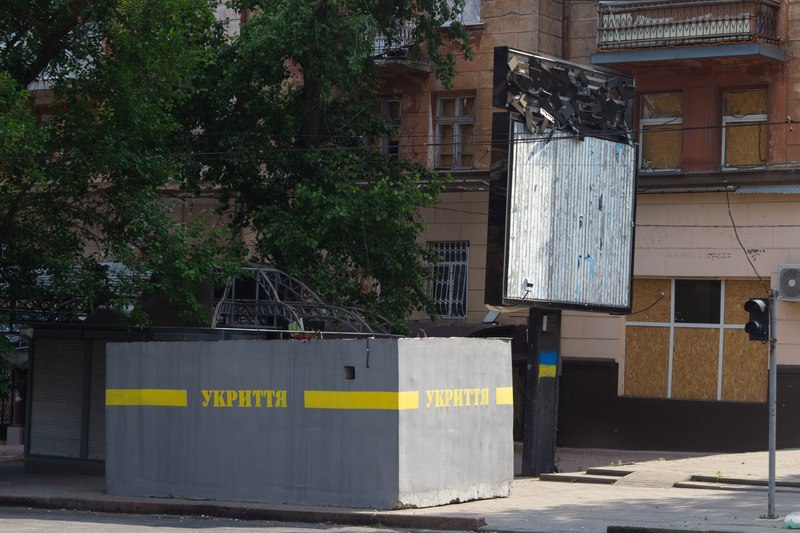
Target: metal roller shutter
x=57, y=397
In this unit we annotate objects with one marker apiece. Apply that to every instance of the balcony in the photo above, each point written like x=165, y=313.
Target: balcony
x=401, y=48
x=684, y=29
x=398, y=53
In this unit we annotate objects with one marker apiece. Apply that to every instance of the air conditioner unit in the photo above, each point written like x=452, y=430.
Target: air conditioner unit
x=789, y=283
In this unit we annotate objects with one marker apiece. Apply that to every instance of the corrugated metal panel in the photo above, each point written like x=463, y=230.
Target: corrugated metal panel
x=570, y=231
x=57, y=397
x=97, y=402
x=789, y=188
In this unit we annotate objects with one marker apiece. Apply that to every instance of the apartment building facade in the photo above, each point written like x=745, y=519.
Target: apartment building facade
x=718, y=208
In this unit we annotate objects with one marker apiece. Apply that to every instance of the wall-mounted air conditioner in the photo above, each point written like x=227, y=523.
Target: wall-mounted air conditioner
x=789, y=283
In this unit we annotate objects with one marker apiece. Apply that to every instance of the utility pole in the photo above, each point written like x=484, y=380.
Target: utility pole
x=773, y=396
x=763, y=327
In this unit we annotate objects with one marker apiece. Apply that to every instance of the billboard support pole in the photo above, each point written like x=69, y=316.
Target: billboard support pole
x=541, y=392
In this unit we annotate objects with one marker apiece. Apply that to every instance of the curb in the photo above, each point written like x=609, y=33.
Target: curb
x=243, y=512
x=640, y=529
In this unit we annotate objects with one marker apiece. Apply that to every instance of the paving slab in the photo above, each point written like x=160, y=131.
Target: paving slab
x=534, y=506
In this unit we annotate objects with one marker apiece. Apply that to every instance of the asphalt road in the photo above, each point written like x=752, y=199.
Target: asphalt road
x=21, y=520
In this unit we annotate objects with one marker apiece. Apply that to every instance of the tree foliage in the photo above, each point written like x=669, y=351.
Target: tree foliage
x=292, y=103
x=278, y=123
x=92, y=185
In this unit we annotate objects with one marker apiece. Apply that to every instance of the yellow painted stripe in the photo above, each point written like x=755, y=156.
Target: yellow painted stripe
x=320, y=399
x=547, y=371
x=505, y=395
x=162, y=397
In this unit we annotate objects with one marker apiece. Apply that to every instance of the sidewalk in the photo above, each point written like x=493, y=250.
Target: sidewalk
x=644, y=499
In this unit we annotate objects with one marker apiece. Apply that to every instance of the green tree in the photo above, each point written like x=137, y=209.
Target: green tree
x=286, y=122
x=93, y=185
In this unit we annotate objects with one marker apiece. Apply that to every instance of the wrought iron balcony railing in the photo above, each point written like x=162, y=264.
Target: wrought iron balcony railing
x=677, y=23
x=398, y=49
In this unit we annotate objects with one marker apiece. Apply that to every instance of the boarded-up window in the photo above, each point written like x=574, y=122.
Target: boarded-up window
x=677, y=344
x=661, y=138
x=744, y=132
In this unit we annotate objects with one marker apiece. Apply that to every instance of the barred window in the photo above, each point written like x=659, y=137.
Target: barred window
x=449, y=284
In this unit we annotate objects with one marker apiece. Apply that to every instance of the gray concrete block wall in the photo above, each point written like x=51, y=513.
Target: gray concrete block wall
x=450, y=448
x=290, y=453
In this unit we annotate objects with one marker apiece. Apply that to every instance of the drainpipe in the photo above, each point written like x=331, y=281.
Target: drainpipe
x=565, y=31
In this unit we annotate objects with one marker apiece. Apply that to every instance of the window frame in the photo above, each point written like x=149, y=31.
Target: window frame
x=732, y=119
x=457, y=121
x=672, y=325
x=457, y=305
x=384, y=112
x=643, y=122
x=461, y=19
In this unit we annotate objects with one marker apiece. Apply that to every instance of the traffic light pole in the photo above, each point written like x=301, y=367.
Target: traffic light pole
x=773, y=396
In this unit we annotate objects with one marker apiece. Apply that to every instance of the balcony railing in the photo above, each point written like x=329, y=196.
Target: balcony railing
x=399, y=49
x=676, y=23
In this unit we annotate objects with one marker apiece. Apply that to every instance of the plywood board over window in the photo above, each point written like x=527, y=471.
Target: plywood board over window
x=661, y=147
x=737, y=292
x=745, y=366
x=744, y=362
x=744, y=129
x=646, y=361
x=661, y=137
x=669, y=105
x=695, y=362
x=698, y=329
x=646, y=292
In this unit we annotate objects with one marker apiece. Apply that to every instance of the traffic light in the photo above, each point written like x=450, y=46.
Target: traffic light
x=758, y=326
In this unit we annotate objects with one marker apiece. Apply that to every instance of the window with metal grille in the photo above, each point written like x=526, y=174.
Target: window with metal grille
x=449, y=284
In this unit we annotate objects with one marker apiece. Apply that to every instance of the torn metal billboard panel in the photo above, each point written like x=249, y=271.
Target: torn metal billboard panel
x=569, y=221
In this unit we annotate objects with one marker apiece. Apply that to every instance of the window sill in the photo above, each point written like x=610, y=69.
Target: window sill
x=718, y=178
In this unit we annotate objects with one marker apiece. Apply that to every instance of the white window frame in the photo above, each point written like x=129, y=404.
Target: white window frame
x=455, y=302
x=457, y=122
x=729, y=119
x=651, y=122
x=470, y=15
x=395, y=123
x=722, y=326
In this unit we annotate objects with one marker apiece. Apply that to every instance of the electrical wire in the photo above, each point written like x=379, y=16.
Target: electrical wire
x=202, y=133
x=547, y=137
x=648, y=307
x=736, y=232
